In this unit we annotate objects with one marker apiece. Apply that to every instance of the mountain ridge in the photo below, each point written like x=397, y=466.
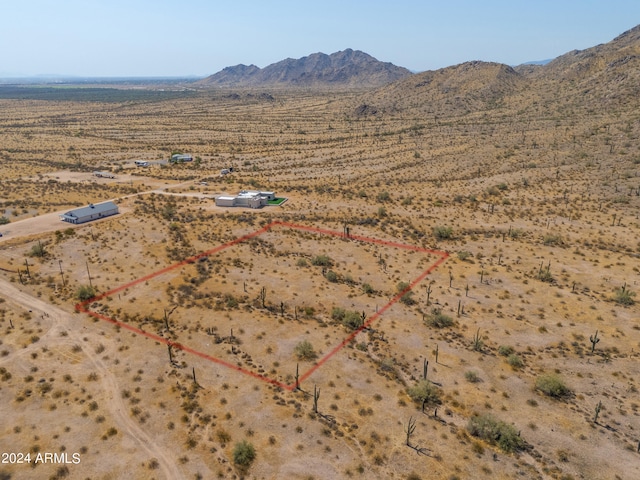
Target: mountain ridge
x=352, y=68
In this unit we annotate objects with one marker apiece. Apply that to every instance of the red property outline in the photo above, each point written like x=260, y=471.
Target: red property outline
x=83, y=307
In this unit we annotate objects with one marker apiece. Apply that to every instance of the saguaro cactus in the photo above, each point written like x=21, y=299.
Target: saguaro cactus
x=316, y=396
x=594, y=340
x=598, y=407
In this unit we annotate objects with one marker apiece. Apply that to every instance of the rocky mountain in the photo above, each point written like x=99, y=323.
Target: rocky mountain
x=604, y=76
x=463, y=88
x=347, y=68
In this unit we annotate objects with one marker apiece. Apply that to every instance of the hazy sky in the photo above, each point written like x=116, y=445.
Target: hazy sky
x=200, y=37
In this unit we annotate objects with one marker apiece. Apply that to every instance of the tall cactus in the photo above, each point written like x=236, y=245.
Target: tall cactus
x=598, y=407
x=594, y=340
x=316, y=396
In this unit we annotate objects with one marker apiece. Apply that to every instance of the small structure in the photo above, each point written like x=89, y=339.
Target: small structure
x=104, y=174
x=246, y=198
x=180, y=158
x=90, y=213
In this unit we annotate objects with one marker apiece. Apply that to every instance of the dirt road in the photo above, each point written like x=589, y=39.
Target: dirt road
x=63, y=320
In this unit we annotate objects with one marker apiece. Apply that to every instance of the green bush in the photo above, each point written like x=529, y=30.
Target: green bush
x=471, y=376
x=85, y=292
x=552, y=385
x=331, y=276
x=304, y=351
x=352, y=320
x=407, y=298
x=623, y=296
x=515, y=361
x=424, y=392
x=349, y=318
x=368, y=289
x=465, y=255
x=4, y=220
x=443, y=233
x=552, y=239
x=243, y=454
x=38, y=250
x=505, y=350
x=495, y=432
x=438, y=319
x=322, y=261
x=338, y=313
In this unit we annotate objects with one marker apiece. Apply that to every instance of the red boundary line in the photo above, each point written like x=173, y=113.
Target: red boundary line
x=82, y=307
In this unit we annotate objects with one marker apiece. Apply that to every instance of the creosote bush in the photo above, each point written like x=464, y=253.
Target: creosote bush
x=552, y=385
x=349, y=318
x=322, y=261
x=495, y=432
x=85, y=292
x=443, y=233
x=304, y=351
x=515, y=361
x=438, y=319
x=424, y=392
x=244, y=454
x=624, y=296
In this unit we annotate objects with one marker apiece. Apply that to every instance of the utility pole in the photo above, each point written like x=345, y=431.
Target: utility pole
x=64, y=282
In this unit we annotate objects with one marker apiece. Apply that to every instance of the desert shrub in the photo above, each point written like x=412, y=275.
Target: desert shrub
x=545, y=276
x=338, y=313
x=424, y=392
x=515, y=361
x=407, y=298
x=438, y=319
x=516, y=233
x=349, y=318
x=471, y=376
x=331, y=276
x=38, y=250
x=443, y=233
x=623, y=296
x=465, y=255
x=304, y=351
x=244, y=454
x=85, y=292
x=505, y=350
x=368, y=289
x=495, y=432
x=4, y=220
x=322, y=261
x=383, y=197
x=551, y=239
x=302, y=262
x=352, y=320
x=552, y=385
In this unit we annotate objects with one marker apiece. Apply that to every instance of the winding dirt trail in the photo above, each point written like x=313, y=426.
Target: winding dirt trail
x=64, y=320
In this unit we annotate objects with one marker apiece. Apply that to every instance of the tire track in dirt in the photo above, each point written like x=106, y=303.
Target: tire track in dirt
x=116, y=406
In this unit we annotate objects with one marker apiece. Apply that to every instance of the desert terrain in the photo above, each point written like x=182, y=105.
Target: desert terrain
x=449, y=291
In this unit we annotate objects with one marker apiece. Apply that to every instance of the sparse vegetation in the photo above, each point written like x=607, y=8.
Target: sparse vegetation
x=243, y=454
x=304, y=351
x=552, y=385
x=495, y=432
x=85, y=292
x=437, y=319
x=532, y=193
